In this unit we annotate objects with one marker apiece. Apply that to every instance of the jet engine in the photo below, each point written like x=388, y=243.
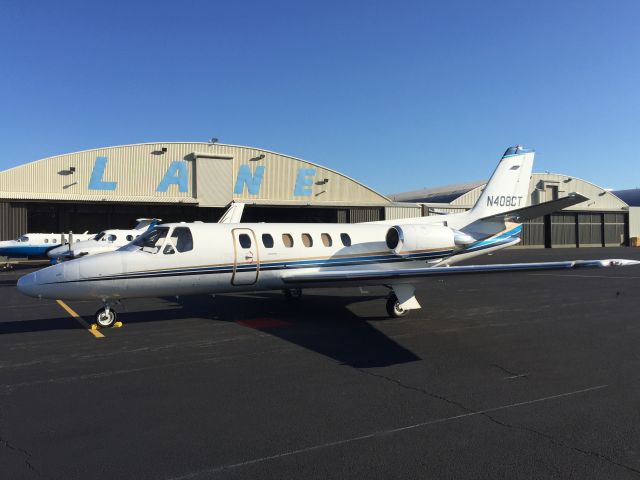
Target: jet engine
x=411, y=238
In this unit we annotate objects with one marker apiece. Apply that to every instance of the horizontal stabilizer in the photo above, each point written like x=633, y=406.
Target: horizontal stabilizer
x=534, y=211
x=356, y=277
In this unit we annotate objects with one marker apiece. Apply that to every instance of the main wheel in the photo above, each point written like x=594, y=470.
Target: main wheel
x=292, y=293
x=106, y=318
x=393, y=307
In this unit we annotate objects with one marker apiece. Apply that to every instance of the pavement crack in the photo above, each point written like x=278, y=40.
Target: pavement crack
x=27, y=455
x=551, y=439
x=417, y=389
x=562, y=444
x=508, y=372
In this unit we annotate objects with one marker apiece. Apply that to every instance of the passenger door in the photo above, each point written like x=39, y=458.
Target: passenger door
x=246, y=264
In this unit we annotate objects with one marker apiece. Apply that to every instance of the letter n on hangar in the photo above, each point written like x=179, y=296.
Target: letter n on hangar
x=212, y=178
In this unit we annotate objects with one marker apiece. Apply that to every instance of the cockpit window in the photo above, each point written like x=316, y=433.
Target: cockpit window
x=152, y=238
x=99, y=236
x=23, y=238
x=182, y=239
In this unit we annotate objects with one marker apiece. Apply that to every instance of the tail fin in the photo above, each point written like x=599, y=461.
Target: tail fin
x=146, y=223
x=508, y=187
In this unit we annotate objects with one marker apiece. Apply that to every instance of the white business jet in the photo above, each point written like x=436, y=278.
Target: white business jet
x=105, y=241
x=199, y=258
x=39, y=244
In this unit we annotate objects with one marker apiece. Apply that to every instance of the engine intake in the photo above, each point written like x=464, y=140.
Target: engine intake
x=406, y=239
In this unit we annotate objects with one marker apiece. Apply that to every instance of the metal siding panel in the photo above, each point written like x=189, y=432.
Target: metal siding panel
x=563, y=230
x=214, y=181
x=533, y=233
x=614, y=229
x=590, y=230
x=399, y=212
x=13, y=220
x=364, y=214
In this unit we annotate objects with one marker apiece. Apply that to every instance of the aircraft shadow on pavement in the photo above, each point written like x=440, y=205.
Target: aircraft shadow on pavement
x=38, y=325
x=323, y=324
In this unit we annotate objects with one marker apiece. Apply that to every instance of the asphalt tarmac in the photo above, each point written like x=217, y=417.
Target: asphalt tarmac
x=512, y=375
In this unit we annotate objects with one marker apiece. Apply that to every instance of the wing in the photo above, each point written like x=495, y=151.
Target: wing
x=383, y=276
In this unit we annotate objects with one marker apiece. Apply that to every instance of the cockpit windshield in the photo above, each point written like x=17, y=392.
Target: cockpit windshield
x=99, y=236
x=152, y=239
x=23, y=238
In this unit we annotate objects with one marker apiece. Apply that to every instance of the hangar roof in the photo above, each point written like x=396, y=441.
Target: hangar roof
x=630, y=197
x=207, y=174
x=541, y=189
x=443, y=194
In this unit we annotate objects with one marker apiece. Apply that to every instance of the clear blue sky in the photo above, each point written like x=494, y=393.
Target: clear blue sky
x=399, y=95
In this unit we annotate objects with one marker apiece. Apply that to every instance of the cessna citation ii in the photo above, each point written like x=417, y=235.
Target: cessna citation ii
x=200, y=258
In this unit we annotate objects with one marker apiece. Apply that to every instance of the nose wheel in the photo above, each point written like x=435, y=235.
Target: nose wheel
x=106, y=317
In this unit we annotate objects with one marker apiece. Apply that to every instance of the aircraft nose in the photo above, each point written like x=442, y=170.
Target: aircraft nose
x=56, y=252
x=28, y=284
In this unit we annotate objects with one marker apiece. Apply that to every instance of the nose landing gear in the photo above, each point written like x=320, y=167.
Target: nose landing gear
x=106, y=317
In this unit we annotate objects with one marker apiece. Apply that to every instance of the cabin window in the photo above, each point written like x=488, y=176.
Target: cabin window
x=307, y=241
x=129, y=238
x=245, y=240
x=346, y=239
x=326, y=239
x=287, y=240
x=112, y=238
x=267, y=240
x=46, y=240
x=183, y=240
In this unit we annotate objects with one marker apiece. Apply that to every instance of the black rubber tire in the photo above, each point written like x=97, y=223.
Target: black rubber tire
x=393, y=307
x=292, y=293
x=105, y=321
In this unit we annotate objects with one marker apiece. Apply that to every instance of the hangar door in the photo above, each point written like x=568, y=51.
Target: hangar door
x=533, y=233
x=214, y=181
x=563, y=230
x=615, y=232
x=590, y=229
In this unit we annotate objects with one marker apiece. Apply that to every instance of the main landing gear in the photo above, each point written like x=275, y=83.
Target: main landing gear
x=393, y=307
x=106, y=317
x=292, y=293
x=401, y=300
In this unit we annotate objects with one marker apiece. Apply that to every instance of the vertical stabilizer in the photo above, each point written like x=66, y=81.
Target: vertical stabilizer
x=508, y=187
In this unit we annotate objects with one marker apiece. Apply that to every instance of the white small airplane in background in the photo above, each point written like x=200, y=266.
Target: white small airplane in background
x=105, y=241
x=113, y=239
x=199, y=258
x=38, y=244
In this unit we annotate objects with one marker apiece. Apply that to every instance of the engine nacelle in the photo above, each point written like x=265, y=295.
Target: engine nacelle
x=405, y=239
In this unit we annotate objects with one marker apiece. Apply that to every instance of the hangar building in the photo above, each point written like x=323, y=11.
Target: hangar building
x=604, y=220
x=111, y=187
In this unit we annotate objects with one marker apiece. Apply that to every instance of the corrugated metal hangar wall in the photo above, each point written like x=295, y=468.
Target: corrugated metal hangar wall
x=111, y=187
